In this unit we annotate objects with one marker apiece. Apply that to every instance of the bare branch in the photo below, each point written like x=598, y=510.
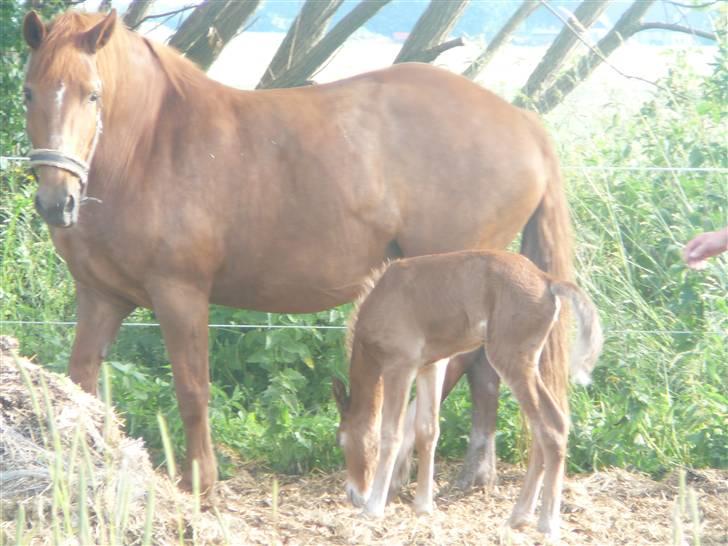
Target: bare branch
x=433, y=53
x=306, y=30
x=583, y=17
x=168, y=14
x=219, y=30
x=696, y=6
x=136, y=11
x=431, y=28
x=300, y=72
x=678, y=28
x=627, y=26
x=504, y=34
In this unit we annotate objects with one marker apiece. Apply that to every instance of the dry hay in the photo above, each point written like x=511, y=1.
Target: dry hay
x=604, y=508
x=59, y=446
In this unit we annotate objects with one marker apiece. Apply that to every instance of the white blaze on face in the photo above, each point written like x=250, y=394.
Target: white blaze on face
x=56, y=139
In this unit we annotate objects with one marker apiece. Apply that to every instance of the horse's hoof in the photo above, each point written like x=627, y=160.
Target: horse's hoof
x=424, y=509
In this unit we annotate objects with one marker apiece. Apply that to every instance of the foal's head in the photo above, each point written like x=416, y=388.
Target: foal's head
x=63, y=99
x=358, y=437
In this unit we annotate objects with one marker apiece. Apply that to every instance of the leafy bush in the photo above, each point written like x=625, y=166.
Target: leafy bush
x=658, y=397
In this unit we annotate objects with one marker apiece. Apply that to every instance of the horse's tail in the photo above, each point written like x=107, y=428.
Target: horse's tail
x=589, y=338
x=547, y=241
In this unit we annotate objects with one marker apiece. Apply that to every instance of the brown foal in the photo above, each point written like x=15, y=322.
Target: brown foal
x=424, y=310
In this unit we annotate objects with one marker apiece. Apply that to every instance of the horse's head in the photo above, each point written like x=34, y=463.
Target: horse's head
x=360, y=443
x=63, y=92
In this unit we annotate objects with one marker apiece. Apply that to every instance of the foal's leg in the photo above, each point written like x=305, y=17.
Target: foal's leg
x=427, y=427
x=549, y=429
x=554, y=439
x=456, y=368
x=397, y=382
x=480, y=459
x=99, y=319
x=182, y=311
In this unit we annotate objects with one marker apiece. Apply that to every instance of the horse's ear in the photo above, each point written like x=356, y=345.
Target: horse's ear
x=342, y=399
x=33, y=29
x=99, y=36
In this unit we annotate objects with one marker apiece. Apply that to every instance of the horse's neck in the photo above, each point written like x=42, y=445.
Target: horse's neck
x=136, y=91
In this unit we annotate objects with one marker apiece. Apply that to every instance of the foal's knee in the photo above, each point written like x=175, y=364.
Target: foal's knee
x=426, y=434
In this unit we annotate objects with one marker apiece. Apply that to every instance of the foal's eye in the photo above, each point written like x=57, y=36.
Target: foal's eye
x=94, y=96
x=28, y=94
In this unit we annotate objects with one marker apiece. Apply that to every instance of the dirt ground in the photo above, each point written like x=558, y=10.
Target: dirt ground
x=604, y=508
x=612, y=507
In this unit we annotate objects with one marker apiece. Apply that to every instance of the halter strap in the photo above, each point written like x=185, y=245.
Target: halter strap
x=56, y=158
x=61, y=160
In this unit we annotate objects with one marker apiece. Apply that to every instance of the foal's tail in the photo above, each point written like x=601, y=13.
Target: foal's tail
x=589, y=338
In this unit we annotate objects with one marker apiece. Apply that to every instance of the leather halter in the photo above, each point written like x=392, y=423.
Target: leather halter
x=47, y=157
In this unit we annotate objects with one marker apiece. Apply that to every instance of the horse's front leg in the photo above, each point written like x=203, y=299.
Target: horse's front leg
x=427, y=431
x=98, y=320
x=182, y=311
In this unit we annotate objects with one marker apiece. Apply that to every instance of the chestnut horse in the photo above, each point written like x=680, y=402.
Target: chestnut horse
x=421, y=312
x=167, y=190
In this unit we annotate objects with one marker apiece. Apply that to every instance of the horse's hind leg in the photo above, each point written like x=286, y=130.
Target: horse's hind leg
x=427, y=431
x=182, y=312
x=397, y=381
x=479, y=466
x=99, y=319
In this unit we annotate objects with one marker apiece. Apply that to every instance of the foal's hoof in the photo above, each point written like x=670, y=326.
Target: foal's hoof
x=424, y=509
x=551, y=531
x=519, y=521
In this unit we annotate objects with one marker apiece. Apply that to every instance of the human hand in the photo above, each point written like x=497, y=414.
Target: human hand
x=704, y=246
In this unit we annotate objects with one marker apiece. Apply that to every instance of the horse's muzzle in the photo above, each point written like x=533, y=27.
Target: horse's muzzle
x=61, y=212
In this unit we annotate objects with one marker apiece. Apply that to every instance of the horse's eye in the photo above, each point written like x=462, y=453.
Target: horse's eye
x=94, y=96
x=28, y=94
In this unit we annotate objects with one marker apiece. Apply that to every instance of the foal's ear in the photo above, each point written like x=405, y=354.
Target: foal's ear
x=99, y=36
x=342, y=399
x=33, y=29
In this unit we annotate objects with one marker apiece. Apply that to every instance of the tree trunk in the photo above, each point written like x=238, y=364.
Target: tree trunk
x=136, y=12
x=586, y=13
x=627, y=25
x=431, y=29
x=504, y=34
x=305, y=32
x=210, y=27
x=300, y=72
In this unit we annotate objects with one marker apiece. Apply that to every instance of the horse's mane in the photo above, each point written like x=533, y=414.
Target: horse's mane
x=181, y=73
x=367, y=286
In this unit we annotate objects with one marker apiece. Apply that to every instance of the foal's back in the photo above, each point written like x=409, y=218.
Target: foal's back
x=432, y=307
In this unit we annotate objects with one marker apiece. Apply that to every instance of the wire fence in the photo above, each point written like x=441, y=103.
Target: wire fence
x=4, y=160
x=264, y=326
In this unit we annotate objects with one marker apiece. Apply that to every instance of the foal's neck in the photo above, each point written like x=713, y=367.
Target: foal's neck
x=367, y=388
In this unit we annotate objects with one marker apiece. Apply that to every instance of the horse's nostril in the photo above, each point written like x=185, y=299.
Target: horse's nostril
x=69, y=205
